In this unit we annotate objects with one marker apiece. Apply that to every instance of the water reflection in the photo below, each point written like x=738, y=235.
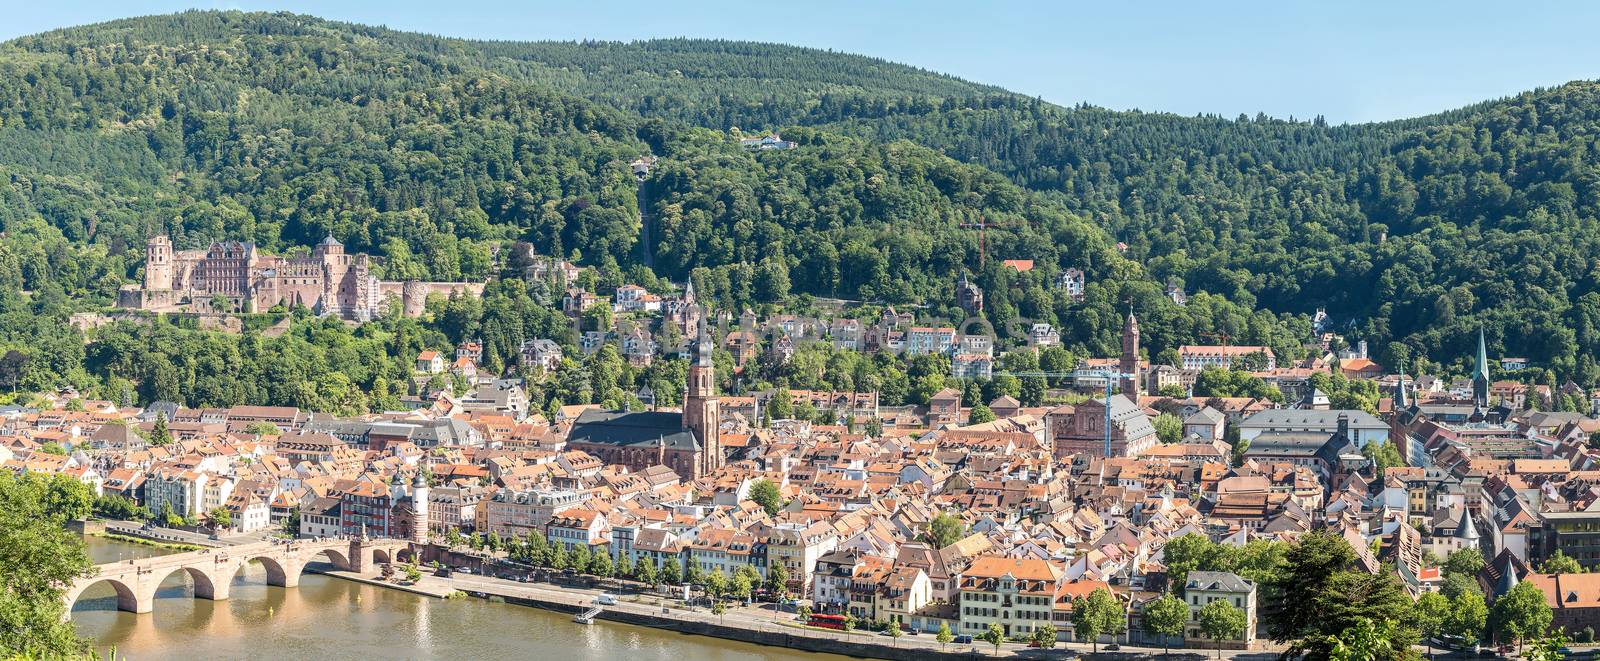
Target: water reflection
x=328, y=618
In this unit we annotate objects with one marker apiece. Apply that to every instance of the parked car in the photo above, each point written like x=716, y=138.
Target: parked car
x=963, y=639
x=605, y=599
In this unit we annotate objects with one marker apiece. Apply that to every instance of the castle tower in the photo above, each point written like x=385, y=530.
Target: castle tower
x=701, y=409
x=1129, y=364
x=419, y=506
x=158, y=263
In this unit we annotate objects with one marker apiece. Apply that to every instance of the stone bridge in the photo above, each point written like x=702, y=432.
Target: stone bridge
x=212, y=570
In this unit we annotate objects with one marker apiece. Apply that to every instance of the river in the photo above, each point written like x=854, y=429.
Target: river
x=330, y=618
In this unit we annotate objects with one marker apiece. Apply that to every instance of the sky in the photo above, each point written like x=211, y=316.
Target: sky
x=1349, y=61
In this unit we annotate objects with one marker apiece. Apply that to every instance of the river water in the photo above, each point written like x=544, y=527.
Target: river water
x=330, y=618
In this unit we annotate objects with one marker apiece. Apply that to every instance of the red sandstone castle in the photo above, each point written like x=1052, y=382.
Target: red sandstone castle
x=328, y=281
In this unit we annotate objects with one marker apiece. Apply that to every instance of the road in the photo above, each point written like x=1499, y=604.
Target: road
x=158, y=533
x=763, y=617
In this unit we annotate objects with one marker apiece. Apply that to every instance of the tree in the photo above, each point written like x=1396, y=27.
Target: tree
x=600, y=565
x=645, y=572
x=739, y=588
x=1468, y=616
x=1184, y=554
x=624, y=568
x=1521, y=613
x=944, y=636
x=39, y=559
x=893, y=630
x=994, y=636
x=1432, y=614
x=850, y=623
x=262, y=428
x=980, y=414
x=777, y=579
x=170, y=518
x=671, y=573
x=1220, y=620
x=1560, y=563
x=1096, y=614
x=1383, y=456
x=220, y=518
x=1352, y=596
x=716, y=584
x=1045, y=636
x=1548, y=648
x=112, y=506
x=1169, y=429
x=1166, y=617
x=781, y=405
x=1457, y=584
x=1309, y=567
x=413, y=573
x=946, y=529
x=1464, y=561
x=579, y=557
x=719, y=609
x=66, y=497
x=766, y=494
x=1362, y=641
x=158, y=432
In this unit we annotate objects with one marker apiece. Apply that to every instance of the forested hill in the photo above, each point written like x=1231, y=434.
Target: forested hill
x=279, y=128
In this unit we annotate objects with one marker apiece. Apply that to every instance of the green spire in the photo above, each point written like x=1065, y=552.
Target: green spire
x=1483, y=358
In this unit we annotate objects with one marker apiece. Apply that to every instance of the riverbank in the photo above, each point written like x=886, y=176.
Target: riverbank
x=131, y=539
x=732, y=626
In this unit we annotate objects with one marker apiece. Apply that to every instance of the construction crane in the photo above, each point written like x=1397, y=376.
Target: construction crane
x=983, y=226
x=983, y=246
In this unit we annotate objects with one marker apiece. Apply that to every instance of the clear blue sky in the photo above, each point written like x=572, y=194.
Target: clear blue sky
x=1350, y=61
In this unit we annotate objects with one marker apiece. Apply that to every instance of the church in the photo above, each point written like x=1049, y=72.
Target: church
x=688, y=443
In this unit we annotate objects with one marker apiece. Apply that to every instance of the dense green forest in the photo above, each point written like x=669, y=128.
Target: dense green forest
x=433, y=153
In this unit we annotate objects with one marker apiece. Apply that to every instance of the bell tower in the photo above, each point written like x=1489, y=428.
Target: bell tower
x=1129, y=364
x=701, y=409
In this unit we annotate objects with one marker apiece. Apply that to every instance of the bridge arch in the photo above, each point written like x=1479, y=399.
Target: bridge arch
x=339, y=560
x=380, y=557
x=204, y=586
x=277, y=572
x=127, y=599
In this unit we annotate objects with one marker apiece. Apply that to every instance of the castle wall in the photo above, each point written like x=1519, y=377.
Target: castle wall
x=413, y=295
x=328, y=281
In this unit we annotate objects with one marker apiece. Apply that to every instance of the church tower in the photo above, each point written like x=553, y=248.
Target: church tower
x=1129, y=364
x=1480, y=376
x=701, y=410
x=158, y=263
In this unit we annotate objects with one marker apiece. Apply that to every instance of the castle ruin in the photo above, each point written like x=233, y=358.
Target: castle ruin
x=235, y=274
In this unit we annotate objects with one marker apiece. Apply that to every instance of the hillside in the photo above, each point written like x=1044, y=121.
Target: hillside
x=280, y=128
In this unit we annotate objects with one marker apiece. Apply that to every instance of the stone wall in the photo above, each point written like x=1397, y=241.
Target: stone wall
x=866, y=646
